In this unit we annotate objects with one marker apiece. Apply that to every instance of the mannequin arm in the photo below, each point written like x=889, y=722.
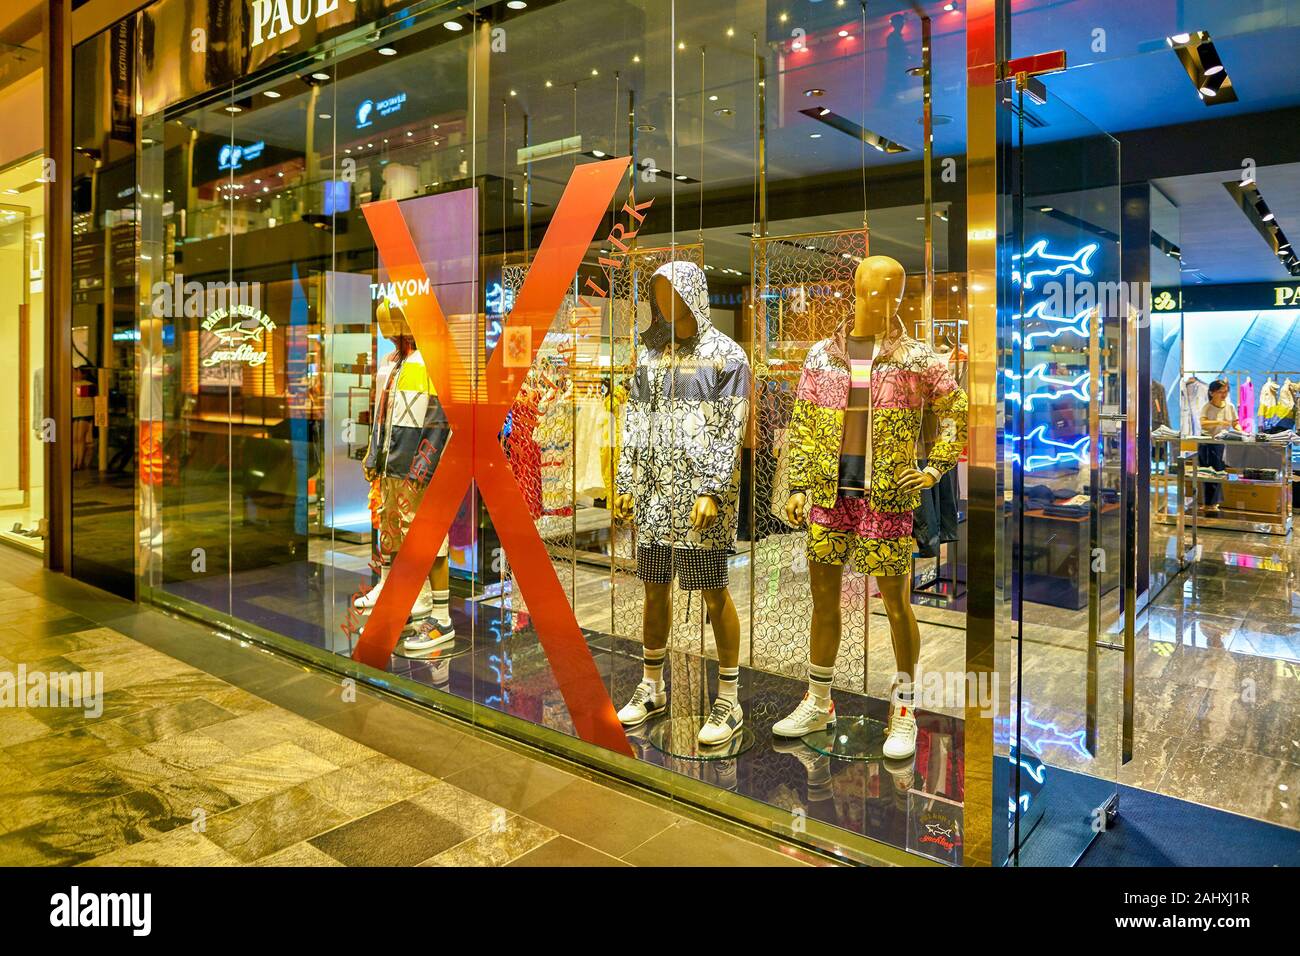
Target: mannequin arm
x=949, y=403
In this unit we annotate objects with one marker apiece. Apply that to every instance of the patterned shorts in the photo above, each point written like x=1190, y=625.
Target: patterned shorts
x=399, y=499
x=697, y=569
x=872, y=542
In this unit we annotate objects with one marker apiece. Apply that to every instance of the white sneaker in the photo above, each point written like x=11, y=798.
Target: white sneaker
x=645, y=703
x=724, y=720
x=423, y=604
x=805, y=719
x=368, y=600
x=430, y=634
x=901, y=741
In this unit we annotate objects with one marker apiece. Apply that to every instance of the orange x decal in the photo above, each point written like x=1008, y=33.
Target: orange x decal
x=476, y=409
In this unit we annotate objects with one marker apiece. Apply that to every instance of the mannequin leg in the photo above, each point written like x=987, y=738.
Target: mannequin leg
x=826, y=581
x=903, y=629
x=657, y=619
x=726, y=625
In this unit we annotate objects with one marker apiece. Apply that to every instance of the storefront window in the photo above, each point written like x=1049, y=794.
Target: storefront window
x=22, y=292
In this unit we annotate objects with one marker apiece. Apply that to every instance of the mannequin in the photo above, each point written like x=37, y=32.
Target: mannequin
x=679, y=480
x=854, y=482
x=407, y=435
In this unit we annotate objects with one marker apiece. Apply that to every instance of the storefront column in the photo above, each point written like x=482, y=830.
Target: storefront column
x=987, y=619
x=58, y=281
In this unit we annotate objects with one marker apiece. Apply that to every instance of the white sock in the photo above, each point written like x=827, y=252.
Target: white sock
x=729, y=683
x=652, y=666
x=819, y=684
x=904, y=696
x=441, y=606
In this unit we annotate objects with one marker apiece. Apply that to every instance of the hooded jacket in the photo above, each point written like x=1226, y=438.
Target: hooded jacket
x=906, y=377
x=410, y=428
x=686, y=414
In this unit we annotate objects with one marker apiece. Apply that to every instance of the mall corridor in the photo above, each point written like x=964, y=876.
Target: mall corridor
x=209, y=753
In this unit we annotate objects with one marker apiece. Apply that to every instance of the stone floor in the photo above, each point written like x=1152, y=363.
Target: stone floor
x=209, y=752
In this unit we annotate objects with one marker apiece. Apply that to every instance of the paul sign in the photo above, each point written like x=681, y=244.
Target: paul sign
x=274, y=17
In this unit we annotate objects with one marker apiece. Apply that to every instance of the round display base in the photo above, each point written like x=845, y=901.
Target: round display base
x=455, y=648
x=679, y=737
x=852, y=738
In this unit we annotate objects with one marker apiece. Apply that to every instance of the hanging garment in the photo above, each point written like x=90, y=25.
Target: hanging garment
x=521, y=449
x=1246, y=404
x=685, y=419
x=554, y=434
x=1159, y=405
x=591, y=436
x=934, y=522
x=1195, y=394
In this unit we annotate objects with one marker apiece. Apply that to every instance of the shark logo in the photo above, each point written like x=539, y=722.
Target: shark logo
x=1038, y=263
x=363, y=113
x=238, y=341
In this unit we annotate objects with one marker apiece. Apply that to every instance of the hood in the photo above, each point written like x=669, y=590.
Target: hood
x=688, y=281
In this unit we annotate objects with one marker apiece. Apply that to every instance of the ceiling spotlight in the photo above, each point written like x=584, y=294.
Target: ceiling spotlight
x=549, y=84
x=1178, y=39
x=323, y=116
x=636, y=58
x=323, y=77
x=455, y=26
x=234, y=109
x=387, y=51
x=514, y=93
x=844, y=33
x=599, y=153
x=516, y=4
x=731, y=31
x=814, y=135
x=815, y=91
x=723, y=111
x=681, y=178
x=824, y=111
x=950, y=6
x=713, y=98
x=1268, y=217
x=595, y=72
x=271, y=94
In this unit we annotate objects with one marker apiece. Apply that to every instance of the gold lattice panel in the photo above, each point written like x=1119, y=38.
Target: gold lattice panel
x=802, y=293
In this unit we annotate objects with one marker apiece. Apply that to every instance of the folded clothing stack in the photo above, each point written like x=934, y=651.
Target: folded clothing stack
x=1164, y=433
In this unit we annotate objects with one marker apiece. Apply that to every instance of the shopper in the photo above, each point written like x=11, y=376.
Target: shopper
x=1216, y=414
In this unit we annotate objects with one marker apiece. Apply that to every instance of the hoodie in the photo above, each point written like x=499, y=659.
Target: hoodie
x=907, y=376
x=686, y=414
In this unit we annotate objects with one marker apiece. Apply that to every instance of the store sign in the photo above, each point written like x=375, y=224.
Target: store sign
x=271, y=18
x=369, y=109
x=237, y=341
x=401, y=291
x=1227, y=297
x=232, y=156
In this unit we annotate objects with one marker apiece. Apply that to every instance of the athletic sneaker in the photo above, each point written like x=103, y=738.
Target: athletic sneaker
x=805, y=719
x=646, y=702
x=368, y=600
x=724, y=720
x=901, y=741
x=430, y=634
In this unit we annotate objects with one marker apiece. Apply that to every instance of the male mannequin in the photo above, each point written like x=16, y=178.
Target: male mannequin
x=679, y=478
x=408, y=433
x=854, y=480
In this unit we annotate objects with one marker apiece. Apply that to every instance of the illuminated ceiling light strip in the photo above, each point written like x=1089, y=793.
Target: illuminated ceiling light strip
x=1253, y=206
x=1200, y=58
x=853, y=130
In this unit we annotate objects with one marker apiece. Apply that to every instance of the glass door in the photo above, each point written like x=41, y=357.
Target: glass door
x=1070, y=440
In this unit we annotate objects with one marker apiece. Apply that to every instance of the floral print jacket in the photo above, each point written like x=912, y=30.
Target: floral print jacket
x=686, y=414
x=906, y=377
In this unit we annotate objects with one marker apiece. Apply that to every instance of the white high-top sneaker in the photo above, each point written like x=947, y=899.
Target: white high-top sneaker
x=901, y=741
x=368, y=600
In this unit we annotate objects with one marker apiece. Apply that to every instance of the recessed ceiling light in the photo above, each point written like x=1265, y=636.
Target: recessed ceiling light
x=731, y=31
x=825, y=111
x=514, y=92
x=636, y=58
x=815, y=91
x=682, y=177
x=320, y=76
x=516, y=4
x=595, y=72
x=844, y=33
x=598, y=153
x=455, y=26
x=1179, y=38
x=386, y=51
x=713, y=98
x=681, y=44
x=323, y=116
x=646, y=128
x=814, y=135
x=549, y=84
x=234, y=109
x=271, y=94
x=723, y=111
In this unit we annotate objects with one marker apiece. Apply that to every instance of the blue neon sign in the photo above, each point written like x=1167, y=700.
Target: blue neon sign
x=233, y=156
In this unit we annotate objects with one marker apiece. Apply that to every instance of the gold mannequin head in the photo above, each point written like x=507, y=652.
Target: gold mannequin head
x=878, y=286
x=673, y=309
x=392, y=320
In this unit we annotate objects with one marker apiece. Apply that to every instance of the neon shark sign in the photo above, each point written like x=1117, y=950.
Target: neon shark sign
x=241, y=334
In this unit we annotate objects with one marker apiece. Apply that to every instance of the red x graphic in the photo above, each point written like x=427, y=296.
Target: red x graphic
x=476, y=410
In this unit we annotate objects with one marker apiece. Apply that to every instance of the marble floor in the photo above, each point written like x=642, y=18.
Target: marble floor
x=212, y=752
